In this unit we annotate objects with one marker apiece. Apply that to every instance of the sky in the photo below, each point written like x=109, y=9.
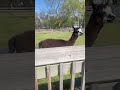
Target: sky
x=40, y=5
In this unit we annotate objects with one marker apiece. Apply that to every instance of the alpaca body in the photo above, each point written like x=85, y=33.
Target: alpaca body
x=22, y=43
x=59, y=42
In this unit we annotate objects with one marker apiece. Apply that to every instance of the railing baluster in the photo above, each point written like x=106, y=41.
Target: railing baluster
x=83, y=77
x=73, y=76
x=61, y=76
x=36, y=84
x=49, y=77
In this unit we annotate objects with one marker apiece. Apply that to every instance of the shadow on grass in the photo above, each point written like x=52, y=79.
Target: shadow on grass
x=66, y=85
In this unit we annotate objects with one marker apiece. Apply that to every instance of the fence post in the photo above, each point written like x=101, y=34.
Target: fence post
x=83, y=77
x=36, y=81
x=49, y=77
x=73, y=76
x=61, y=77
x=36, y=84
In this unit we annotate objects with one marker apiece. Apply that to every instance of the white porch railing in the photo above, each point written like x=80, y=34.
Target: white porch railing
x=60, y=61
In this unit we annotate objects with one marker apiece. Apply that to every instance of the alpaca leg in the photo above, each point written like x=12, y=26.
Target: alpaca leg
x=36, y=84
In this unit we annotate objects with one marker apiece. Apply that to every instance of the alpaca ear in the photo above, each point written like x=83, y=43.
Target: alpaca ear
x=73, y=27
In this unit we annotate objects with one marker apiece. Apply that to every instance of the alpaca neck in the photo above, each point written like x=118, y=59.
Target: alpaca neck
x=72, y=40
x=91, y=31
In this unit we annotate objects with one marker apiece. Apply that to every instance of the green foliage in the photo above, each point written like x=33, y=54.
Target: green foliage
x=63, y=13
x=73, y=9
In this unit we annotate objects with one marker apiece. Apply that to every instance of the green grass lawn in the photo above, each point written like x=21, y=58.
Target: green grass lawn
x=55, y=82
x=56, y=35
x=11, y=25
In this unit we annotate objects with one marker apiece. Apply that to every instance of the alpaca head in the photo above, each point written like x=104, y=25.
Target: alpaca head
x=103, y=13
x=77, y=31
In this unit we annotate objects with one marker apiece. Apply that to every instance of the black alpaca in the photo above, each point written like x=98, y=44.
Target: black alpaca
x=101, y=14
x=22, y=43
x=59, y=42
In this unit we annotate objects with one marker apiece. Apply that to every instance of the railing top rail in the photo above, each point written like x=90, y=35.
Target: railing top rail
x=59, y=54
